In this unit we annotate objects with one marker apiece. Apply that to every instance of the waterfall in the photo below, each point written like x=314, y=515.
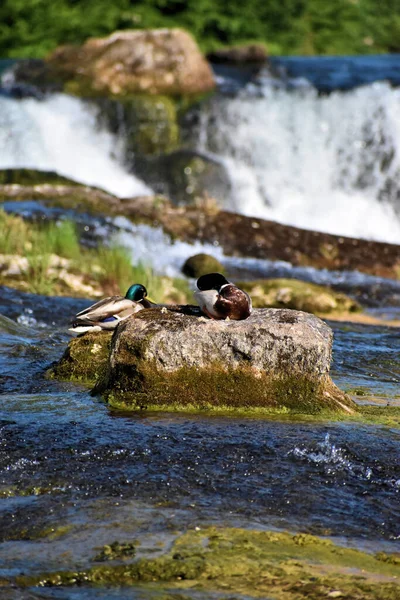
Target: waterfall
x=61, y=134
x=327, y=163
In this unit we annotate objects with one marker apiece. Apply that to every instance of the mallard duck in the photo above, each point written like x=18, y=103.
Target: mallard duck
x=220, y=299
x=107, y=313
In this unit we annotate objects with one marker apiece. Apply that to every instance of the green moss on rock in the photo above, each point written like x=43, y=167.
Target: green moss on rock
x=151, y=123
x=257, y=564
x=216, y=387
x=200, y=264
x=33, y=177
x=275, y=360
x=298, y=295
x=85, y=358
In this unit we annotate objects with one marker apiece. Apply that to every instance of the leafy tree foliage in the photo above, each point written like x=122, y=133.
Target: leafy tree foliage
x=32, y=28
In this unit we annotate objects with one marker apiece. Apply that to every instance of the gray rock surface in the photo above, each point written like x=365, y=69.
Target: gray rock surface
x=275, y=358
x=270, y=340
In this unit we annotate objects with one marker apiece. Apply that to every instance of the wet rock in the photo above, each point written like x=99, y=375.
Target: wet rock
x=274, y=359
x=158, y=61
x=299, y=295
x=184, y=176
x=268, y=564
x=31, y=78
x=246, y=53
x=147, y=123
x=84, y=359
x=200, y=264
x=237, y=235
x=32, y=177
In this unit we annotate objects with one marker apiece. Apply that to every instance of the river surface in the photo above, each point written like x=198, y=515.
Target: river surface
x=69, y=462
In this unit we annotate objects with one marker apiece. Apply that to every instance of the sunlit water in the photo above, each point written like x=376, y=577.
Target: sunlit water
x=119, y=476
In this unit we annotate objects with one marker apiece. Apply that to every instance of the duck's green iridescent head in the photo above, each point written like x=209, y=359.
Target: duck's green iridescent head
x=137, y=292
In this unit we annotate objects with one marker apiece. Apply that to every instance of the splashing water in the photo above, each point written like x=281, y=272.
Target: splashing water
x=150, y=245
x=61, y=134
x=327, y=453
x=327, y=163
x=335, y=460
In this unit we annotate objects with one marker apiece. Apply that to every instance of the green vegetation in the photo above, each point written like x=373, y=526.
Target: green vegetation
x=299, y=295
x=255, y=564
x=32, y=28
x=56, y=263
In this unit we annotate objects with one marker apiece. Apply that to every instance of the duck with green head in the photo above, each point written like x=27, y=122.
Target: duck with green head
x=107, y=313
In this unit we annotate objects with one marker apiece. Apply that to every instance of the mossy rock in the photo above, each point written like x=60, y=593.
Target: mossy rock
x=33, y=177
x=184, y=176
x=85, y=358
x=149, y=124
x=275, y=359
x=201, y=264
x=298, y=295
x=248, y=563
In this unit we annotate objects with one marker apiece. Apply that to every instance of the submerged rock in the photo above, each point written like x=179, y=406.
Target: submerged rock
x=220, y=561
x=157, y=61
x=275, y=359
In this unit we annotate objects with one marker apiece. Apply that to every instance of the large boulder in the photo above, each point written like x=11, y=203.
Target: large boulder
x=158, y=61
x=275, y=359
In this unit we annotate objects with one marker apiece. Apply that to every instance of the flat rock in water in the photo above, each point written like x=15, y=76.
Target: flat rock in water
x=276, y=358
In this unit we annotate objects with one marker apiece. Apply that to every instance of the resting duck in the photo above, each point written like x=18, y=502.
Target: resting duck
x=220, y=299
x=107, y=313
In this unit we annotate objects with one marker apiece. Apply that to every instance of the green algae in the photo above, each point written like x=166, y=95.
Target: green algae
x=33, y=177
x=200, y=264
x=138, y=384
x=253, y=563
x=79, y=363
x=117, y=550
x=298, y=295
x=154, y=128
x=84, y=359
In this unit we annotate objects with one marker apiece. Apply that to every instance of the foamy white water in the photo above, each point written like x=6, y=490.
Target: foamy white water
x=60, y=134
x=151, y=246
x=329, y=163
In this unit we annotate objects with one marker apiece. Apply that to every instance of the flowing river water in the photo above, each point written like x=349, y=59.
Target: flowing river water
x=75, y=475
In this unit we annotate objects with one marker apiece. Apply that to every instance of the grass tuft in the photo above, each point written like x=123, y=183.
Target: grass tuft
x=108, y=270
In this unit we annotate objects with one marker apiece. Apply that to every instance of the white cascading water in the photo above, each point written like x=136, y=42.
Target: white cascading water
x=61, y=134
x=326, y=163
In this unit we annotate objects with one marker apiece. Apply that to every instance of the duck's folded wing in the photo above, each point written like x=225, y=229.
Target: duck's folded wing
x=234, y=303
x=108, y=308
